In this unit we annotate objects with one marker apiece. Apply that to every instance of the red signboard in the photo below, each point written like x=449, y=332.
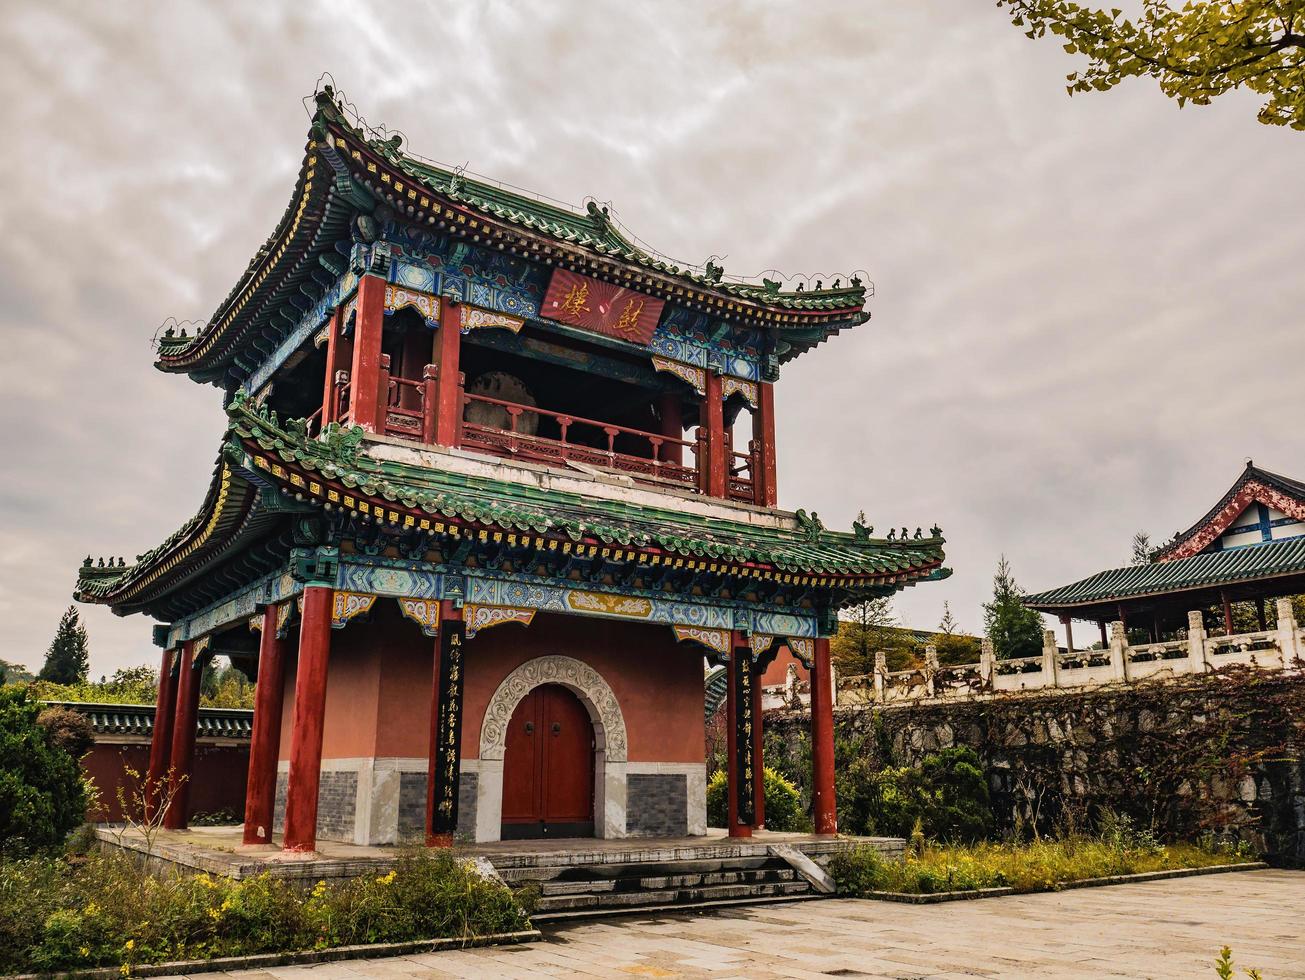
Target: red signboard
x=601, y=307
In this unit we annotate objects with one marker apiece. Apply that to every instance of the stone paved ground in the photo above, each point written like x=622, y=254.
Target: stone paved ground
x=1159, y=929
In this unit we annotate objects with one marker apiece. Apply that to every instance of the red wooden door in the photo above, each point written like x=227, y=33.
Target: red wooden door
x=548, y=768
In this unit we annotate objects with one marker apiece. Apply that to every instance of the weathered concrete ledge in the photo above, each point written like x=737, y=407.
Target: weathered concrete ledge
x=912, y=898
x=267, y=960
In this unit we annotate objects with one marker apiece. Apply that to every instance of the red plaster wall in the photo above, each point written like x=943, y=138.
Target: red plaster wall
x=658, y=682
x=379, y=683
x=777, y=672
x=218, y=781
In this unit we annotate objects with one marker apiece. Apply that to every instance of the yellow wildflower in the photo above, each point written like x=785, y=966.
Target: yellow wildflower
x=130, y=944
x=386, y=879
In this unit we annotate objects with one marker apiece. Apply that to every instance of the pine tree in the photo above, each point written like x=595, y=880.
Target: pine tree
x=947, y=625
x=1015, y=630
x=1141, y=549
x=68, y=660
x=866, y=628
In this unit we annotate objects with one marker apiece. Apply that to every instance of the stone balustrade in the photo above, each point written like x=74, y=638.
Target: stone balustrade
x=1282, y=648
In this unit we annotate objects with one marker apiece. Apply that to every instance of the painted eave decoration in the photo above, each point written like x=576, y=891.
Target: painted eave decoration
x=334, y=474
x=348, y=171
x=1193, y=559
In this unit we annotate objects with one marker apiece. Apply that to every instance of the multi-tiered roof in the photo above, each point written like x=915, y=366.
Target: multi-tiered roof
x=271, y=472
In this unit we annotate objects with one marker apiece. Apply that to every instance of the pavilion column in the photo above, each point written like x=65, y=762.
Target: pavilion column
x=765, y=434
x=444, y=758
x=1069, y=634
x=740, y=772
x=338, y=355
x=1227, y=614
x=671, y=410
x=1105, y=640
x=165, y=710
x=448, y=377
x=366, y=404
x=823, y=804
x=713, y=420
x=265, y=743
x=1260, y=614
x=758, y=761
x=181, y=763
x=310, y=708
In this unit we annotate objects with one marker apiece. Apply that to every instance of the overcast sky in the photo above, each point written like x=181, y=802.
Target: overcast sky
x=1087, y=311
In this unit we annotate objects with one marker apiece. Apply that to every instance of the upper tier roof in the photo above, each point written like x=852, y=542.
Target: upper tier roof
x=336, y=473
x=347, y=170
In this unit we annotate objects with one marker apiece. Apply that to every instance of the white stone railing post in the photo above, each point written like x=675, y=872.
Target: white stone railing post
x=1118, y=651
x=930, y=668
x=1288, y=638
x=1050, y=654
x=1197, y=662
x=987, y=662
x=790, y=683
x=833, y=685
x=881, y=674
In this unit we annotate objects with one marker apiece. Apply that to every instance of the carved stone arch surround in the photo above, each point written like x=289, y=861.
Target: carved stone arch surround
x=594, y=692
x=610, y=742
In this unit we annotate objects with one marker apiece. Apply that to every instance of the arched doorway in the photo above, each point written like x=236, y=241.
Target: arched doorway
x=548, y=767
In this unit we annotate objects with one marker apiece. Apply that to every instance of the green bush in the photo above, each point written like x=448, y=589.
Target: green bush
x=42, y=798
x=58, y=915
x=947, y=795
x=783, y=806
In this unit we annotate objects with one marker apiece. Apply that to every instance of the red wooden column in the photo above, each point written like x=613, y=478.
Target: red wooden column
x=444, y=762
x=448, y=377
x=338, y=355
x=740, y=798
x=310, y=707
x=366, y=404
x=758, y=762
x=265, y=743
x=182, y=760
x=1069, y=633
x=713, y=420
x=1227, y=614
x=671, y=410
x=765, y=433
x=822, y=742
x=165, y=710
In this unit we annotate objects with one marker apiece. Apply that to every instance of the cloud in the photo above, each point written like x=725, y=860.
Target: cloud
x=1087, y=310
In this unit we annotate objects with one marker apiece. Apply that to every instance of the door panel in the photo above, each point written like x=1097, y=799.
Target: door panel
x=548, y=767
x=569, y=758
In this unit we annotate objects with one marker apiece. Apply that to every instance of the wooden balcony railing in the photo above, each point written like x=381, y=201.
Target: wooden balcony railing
x=411, y=409
x=576, y=443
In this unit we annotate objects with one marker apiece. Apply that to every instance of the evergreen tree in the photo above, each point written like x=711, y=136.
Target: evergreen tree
x=1141, y=549
x=68, y=660
x=954, y=647
x=947, y=625
x=866, y=627
x=1015, y=630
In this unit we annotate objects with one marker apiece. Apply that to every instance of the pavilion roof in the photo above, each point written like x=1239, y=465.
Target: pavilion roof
x=335, y=471
x=1254, y=485
x=348, y=170
x=1201, y=571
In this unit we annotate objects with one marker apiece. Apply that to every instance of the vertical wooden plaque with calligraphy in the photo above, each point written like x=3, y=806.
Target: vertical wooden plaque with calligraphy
x=444, y=788
x=741, y=669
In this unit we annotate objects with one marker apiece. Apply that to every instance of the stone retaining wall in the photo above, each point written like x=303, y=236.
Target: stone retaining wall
x=1216, y=753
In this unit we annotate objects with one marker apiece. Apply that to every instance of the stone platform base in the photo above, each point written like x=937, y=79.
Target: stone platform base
x=217, y=850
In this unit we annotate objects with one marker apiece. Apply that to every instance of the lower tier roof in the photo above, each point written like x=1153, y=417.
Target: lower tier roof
x=268, y=468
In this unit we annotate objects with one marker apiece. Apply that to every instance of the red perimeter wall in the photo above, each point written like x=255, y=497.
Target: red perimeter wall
x=218, y=782
x=379, y=683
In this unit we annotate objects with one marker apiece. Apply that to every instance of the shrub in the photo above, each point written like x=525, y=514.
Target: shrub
x=42, y=798
x=57, y=915
x=69, y=729
x=783, y=806
x=947, y=795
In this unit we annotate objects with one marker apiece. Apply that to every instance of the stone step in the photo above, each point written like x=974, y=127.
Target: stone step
x=595, y=872
x=629, y=883
x=574, y=906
